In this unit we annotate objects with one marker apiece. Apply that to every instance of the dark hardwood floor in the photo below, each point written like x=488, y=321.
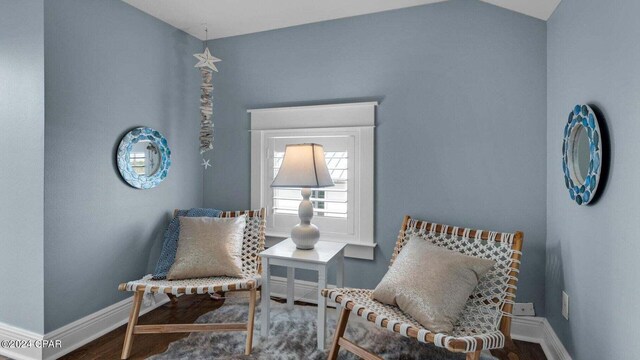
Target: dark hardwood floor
x=186, y=310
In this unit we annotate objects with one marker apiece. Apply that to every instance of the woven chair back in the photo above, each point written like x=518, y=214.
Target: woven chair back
x=490, y=306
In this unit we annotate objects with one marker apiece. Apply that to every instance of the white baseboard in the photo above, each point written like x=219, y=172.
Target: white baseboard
x=12, y=333
x=554, y=343
x=538, y=330
x=91, y=327
x=74, y=335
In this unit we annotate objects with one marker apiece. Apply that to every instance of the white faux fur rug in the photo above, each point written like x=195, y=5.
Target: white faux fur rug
x=292, y=336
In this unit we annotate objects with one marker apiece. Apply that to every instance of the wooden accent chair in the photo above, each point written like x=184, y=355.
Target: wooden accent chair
x=486, y=320
x=253, y=244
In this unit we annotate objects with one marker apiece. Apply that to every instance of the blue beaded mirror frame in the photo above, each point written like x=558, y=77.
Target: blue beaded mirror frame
x=582, y=190
x=123, y=157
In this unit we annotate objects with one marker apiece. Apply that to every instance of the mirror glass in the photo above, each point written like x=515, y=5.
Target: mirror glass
x=145, y=158
x=581, y=155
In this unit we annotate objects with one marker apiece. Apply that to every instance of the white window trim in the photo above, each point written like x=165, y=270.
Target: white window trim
x=354, y=118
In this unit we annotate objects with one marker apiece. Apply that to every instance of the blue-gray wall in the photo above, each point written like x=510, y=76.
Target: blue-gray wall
x=109, y=67
x=461, y=133
x=21, y=163
x=592, y=251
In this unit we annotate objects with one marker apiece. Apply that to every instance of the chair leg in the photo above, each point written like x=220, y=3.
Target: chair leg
x=340, y=328
x=474, y=355
x=133, y=321
x=511, y=349
x=172, y=298
x=252, y=312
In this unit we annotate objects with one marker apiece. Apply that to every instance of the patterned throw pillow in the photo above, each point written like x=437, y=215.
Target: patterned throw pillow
x=431, y=283
x=171, y=235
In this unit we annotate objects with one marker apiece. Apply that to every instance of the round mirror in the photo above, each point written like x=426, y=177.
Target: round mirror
x=582, y=154
x=144, y=158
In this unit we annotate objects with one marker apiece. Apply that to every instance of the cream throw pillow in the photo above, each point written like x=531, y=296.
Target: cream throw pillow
x=209, y=246
x=431, y=283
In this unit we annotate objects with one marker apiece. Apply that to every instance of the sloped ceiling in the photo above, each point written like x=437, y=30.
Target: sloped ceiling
x=541, y=9
x=232, y=17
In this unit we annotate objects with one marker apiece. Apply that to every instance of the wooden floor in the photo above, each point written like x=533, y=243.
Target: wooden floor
x=187, y=310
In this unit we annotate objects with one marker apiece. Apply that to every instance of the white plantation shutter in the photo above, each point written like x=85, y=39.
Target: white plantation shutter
x=343, y=212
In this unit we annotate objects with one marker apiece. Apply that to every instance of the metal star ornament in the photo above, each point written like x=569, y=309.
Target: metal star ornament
x=206, y=164
x=206, y=60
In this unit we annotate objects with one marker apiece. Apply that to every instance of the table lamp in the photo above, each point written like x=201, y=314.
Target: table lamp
x=304, y=166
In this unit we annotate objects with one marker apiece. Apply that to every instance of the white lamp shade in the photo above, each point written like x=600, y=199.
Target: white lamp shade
x=303, y=166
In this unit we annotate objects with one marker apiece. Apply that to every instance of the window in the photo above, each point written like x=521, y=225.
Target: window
x=336, y=212
x=343, y=212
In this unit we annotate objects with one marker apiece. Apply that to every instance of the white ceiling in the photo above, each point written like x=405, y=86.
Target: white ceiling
x=541, y=9
x=236, y=17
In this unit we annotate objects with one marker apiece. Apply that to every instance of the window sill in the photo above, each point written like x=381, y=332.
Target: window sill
x=353, y=250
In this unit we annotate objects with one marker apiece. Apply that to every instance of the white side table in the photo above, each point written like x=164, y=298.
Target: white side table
x=286, y=254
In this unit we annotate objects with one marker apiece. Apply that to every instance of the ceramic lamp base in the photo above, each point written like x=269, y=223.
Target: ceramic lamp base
x=305, y=235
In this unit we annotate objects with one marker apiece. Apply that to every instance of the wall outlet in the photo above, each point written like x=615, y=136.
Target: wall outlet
x=565, y=305
x=523, y=309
